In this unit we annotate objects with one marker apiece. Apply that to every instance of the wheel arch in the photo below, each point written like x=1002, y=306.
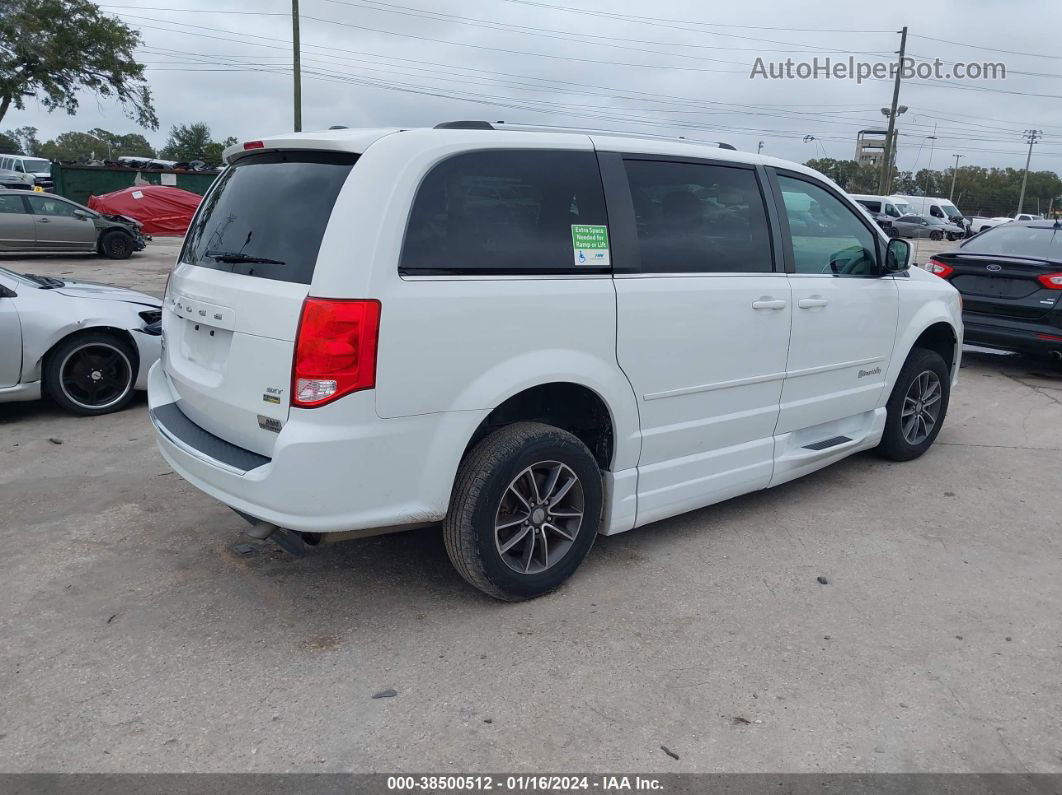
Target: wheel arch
x=574, y=407
x=941, y=338
x=120, y=333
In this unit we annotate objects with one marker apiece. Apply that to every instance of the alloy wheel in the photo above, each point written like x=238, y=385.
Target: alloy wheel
x=539, y=517
x=921, y=407
x=95, y=376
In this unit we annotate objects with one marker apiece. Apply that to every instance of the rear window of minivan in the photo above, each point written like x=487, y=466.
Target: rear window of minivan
x=504, y=212
x=265, y=215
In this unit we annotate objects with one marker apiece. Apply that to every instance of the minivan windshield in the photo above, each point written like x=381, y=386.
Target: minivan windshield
x=951, y=210
x=36, y=165
x=265, y=215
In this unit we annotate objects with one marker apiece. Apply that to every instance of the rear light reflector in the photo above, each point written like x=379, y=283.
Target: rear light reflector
x=254, y=145
x=1052, y=281
x=1049, y=337
x=939, y=268
x=335, y=350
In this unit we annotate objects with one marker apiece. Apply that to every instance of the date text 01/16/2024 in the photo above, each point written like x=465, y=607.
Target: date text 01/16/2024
x=524, y=783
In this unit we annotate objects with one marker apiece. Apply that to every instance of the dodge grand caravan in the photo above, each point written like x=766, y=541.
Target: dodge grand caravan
x=532, y=337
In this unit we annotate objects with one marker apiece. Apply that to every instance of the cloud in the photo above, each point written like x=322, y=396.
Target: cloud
x=684, y=71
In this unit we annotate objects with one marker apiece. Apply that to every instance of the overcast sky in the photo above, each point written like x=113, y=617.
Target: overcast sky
x=670, y=66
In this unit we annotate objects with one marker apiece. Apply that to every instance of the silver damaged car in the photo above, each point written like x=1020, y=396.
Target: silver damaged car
x=88, y=346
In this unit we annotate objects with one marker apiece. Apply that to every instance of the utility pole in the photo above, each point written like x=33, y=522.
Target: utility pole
x=1032, y=136
x=296, y=64
x=886, y=161
x=929, y=168
x=954, y=173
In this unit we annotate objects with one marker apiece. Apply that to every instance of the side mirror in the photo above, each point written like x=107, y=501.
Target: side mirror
x=897, y=256
x=81, y=214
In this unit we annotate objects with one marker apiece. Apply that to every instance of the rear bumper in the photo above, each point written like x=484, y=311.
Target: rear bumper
x=1012, y=335
x=334, y=468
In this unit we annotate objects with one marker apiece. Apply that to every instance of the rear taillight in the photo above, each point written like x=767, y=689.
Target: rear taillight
x=939, y=268
x=335, y=350
x=1052, y=281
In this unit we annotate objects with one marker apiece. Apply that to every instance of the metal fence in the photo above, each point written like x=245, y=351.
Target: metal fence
x=79, y=182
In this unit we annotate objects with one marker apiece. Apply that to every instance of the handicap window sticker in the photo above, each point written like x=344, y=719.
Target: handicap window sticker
x=590, y=244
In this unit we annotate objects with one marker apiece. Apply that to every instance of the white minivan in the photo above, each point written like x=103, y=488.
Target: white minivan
x=532, y=337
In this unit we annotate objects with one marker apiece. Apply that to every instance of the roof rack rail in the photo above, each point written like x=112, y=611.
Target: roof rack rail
x=465, y=125
x=501, y=125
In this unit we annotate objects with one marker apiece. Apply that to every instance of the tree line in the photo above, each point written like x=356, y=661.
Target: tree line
x=186, y=142
x=979, y=191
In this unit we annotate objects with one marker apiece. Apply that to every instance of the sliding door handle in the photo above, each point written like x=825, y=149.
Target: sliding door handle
x=769, y=303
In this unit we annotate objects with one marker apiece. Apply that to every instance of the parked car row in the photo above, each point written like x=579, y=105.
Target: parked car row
x=915, y=216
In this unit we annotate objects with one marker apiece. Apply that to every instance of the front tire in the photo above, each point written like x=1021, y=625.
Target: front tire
x=936, y=235
x=525, y=510
x=116, y=245
x=917, y=406
x=91, y=374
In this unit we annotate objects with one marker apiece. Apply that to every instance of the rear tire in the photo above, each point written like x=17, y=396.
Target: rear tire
x=936, y=235
x=917, y=406
x=503, y=532
x=116, y=245
x=91, y=374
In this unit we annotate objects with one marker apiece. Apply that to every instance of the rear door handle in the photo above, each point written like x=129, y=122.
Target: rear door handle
x=769, y=303
x=42, y=220
x=811, y=303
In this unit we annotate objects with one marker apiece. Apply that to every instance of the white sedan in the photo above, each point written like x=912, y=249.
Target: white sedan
x=89, y=346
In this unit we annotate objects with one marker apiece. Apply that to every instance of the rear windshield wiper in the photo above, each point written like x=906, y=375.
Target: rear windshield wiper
x=235, y=256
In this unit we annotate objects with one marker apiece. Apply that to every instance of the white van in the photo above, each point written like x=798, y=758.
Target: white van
x=38, y=169
x=891, y=206
x=532, y=337
x=936, y=207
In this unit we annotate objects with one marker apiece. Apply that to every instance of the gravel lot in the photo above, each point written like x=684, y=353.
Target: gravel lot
x=138, y=636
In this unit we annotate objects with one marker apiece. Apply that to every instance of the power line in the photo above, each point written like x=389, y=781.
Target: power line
x=658, y=20
x=988, y=49
x=746, y=110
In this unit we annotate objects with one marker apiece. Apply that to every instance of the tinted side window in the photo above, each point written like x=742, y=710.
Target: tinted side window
x=11, y=204
x=936, y=212
x=507, y=211
x=699, y=218
x=828, y=237
x=44, y=206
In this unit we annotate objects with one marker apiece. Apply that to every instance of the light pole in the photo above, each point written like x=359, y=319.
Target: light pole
x=110, y=155
x=889, y=157
x=954, y=173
